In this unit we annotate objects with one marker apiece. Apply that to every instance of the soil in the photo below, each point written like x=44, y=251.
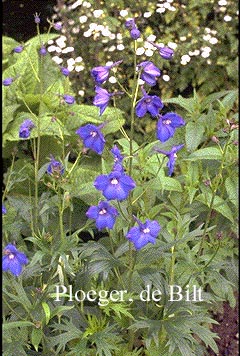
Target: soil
x=227, y=330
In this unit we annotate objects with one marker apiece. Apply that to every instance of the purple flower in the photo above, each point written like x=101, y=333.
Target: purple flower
x=104, y=214
x=148, y=103
x=172, y=155
x=43, y=51
x=37, y=18
x=18, y=49
x=8, y=81
x=165, y=52
x=25, y=128
x=149, y=72
x=4, y=210
x=65, y=71
x=55, y=167
x=13, y=260
x=118, y=158
x=92, y=137
x=57, y=26
x=101, y=99
x=101, y=73
x=144, y=233
x=69, y=99
x=135, y=33
x=115, y=185
x=130, y=24
x=167, y=125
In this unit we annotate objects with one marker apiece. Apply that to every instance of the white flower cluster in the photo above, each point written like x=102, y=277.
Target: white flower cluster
x=208, y=36
x=163, y=5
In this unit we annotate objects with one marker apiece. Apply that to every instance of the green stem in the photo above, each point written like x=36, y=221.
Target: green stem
x=171, y=279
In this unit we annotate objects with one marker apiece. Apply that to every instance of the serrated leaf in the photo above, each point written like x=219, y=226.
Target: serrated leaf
x=232, y=190
x=166, y=183
x=194, y=135
x=205, y=153
x=219, y=204
x=16, y=324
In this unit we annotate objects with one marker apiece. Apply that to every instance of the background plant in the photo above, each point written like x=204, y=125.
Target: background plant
x=46, y=216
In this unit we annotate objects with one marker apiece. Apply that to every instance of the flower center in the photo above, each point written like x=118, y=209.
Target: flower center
x=93, y=133
x=148, y=100
x=102, y=211
x=146, y=230
x=175, y=155
x=11, y=256
x=114, y=181
x=167, y=122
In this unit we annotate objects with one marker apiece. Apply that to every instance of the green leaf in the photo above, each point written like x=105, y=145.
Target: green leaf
x=219, y=204
x=205, y=153
x=166, y=183
x=17, y=324
x=47, y=311
x=194, y=135
x=36, y=337
x=231, y=186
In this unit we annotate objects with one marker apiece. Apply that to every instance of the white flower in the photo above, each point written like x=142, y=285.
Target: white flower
x=97, y=13
x=213, y=40
x=172, y=45
x=183, y=38
x=76, y=4
x=57, y=60
x=86, y=4
x=185, y=58
x=227, y=18
x=120, y=47
x=75, y=30
x=172, y=8
x=87, y=33
x=52, y=48
x=205, y=54
x=140, y=82
x=207, y=37
x=111, y=49
x=123, y=13
x=79, y=68
x=83, y=19
x=151, y=38
x=81, y=92
x=50, y=42
x=149, y=52
x=166, y=78
x=70, y=62
x=222, y=2
x=166, y=5
x=140, y=51
x=161, y=10
x=61, y=41
x=147, y=14
x=68, y=49
x=112, y=80
x=78, y=59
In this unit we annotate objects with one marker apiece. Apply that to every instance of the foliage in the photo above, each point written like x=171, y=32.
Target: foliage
x=90, y=292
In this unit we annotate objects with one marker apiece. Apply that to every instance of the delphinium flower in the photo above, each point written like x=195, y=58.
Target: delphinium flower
x=118, y=158
x=144, y=233
x=92, y=137
x=104, y=214
x=25, y=128
x=69, y=99
x=65, y=71
x=102, y=98
x=8, y=81
x=115, y=185
x=167, y=125
x=149, y=72
x=4, y=210
x=57, y=26
x=165, y=52
x=172, y=155
x=55, y=168
x=37, y=18
x=134, y=31
x=13, y=260
x=18, y=49
x=43, y=51
x=148, y=103
x=101, y=73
